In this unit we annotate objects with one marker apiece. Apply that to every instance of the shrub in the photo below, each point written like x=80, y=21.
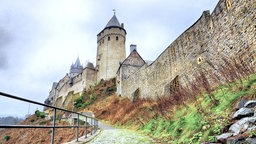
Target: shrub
x=78, y=103
x=40, y=114
x=7, y=137
x=86, y=104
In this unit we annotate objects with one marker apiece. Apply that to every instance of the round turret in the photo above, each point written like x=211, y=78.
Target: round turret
x=90, y=65
x=110, y=49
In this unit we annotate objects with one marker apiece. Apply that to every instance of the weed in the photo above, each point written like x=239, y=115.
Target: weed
x=6, y=137
x=93, y=97
x=58, y=117
x=212, y=138
x=252, y=134
x=42, y=123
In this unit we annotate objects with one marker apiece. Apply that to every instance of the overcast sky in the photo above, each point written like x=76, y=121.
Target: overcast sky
x=39, y=39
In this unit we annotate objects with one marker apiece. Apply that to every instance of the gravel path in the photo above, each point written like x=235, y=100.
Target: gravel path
x=110, y=135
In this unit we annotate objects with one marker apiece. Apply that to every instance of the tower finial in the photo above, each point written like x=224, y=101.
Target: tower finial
x=114, y=10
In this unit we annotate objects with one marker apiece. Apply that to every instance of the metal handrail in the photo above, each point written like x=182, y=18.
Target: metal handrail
x=94, y=124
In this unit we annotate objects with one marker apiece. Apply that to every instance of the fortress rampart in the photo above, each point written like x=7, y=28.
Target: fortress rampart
x=230, y=32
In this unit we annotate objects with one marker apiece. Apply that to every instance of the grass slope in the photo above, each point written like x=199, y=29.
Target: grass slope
x=192, y=120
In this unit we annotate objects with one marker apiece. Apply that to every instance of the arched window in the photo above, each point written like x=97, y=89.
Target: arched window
x=117, y=38
x=109, y=38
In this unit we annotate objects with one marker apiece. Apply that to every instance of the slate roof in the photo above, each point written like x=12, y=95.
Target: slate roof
x=113, y=22
x=77, y=63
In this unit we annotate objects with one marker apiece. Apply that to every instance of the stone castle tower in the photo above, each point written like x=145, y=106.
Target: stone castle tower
x=110, y=49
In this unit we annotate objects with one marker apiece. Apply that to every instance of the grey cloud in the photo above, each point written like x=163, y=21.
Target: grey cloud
x=4, y=40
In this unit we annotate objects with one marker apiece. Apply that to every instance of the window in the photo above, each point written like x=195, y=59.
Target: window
x=199, y=60
x=108, y=38
x=117, y=38
x=228, y=4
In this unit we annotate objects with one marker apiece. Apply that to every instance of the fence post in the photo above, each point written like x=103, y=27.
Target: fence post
x=86, y=127
x=91, y=125
x=53, y=129
x=77, y=128
x=94, y=125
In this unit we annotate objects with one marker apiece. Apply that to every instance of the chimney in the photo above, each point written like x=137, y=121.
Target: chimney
x=133, y=47
x=122, y=25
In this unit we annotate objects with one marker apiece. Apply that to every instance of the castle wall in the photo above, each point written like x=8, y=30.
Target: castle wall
x=110, y=51
x=80, y=82
x=229, y=32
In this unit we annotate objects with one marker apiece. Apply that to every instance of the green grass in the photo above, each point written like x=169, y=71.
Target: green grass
x=189, y=125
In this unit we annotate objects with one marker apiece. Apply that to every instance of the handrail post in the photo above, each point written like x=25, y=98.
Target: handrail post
x=86, y=127
x=96, y=125
x=94, y=121
x=77, y=127
x=53, y=129
x=91, y=125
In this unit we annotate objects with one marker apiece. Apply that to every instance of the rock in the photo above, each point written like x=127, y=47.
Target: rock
x=243, y=112
x=250, y=104
x=224, y=136
x=235, y=140
x=241, y=103
x=242, y=125
x=209, y=143
x=251, y=128
x=251, y=140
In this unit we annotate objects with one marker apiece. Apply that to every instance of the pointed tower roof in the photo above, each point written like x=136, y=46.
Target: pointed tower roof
x=77, y=63
x=113, y=22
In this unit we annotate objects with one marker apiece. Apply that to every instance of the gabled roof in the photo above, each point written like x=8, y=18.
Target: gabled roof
x=113, y=22
x=134, y=51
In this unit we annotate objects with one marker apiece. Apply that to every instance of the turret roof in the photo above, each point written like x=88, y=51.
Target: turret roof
x=77, y=63
x=113, y=22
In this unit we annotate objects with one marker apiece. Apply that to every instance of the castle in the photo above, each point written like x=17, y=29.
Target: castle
x=229, y=31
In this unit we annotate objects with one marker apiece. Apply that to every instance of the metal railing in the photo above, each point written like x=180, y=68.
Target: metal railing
x=88, y=120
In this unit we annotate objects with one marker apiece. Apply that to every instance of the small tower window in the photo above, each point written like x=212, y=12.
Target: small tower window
x=117, y=38
x=228, y=4
x=108, y=38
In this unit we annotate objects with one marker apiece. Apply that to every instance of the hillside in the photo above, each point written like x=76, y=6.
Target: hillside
x=38, y=136
x=190, y=117
x=186, y=117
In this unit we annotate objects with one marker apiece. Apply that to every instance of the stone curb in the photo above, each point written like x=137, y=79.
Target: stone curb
x=83, y=140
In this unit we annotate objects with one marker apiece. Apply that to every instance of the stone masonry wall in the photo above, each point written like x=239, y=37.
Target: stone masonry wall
x=81, y=81
x=230, y=32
